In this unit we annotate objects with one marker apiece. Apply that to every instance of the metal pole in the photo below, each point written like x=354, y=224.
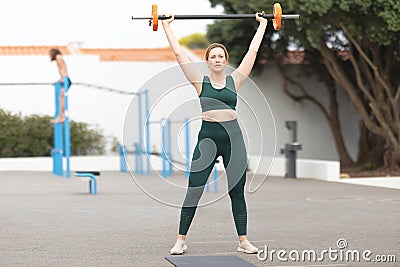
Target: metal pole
x=163, y=173
x=292, y=126
x=291, y=149
x=136, y=155
x=57, y=151
x=187, y=148
x=224, y=16
x=147, y=114
x=121, y=150
x=215, y=179
x=229, y=16
x=67, y=133
x=140, y=150
x=292, y=164
x=169, y=155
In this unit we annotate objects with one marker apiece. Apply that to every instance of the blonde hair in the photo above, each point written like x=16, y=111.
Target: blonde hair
x=214, y=45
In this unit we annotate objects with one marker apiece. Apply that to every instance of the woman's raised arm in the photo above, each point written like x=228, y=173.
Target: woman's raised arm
x=245, y=67
x=191, y=72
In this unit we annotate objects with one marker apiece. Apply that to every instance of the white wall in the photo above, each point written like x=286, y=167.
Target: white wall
x=104, y=109
x=305, y=168
x=313, y=130
x=83, y=163
x=108, y=110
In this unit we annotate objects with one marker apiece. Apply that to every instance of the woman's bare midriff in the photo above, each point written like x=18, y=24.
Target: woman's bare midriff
x=219, y=115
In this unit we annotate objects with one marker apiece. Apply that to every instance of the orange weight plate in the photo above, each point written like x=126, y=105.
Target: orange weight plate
x=277, y=20
x=154, y=14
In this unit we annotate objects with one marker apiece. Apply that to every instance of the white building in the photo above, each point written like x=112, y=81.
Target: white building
x=130, y=69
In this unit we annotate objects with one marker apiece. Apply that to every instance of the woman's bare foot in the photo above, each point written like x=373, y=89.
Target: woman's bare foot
x=59, y=120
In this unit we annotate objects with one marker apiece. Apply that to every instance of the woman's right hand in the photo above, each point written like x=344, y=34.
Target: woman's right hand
x=168, y=21
x=260, y=18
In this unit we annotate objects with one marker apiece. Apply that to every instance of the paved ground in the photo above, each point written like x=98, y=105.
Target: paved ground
x=47, y=220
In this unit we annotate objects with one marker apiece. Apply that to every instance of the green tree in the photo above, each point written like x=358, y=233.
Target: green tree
x=115, y=144
x=350, y=45
x=194, y=41
x=36, y=135
x=86, y=139
x=33, y=136
x=10, y=125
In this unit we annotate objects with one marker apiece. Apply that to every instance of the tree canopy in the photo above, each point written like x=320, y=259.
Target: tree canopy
x=32, y=135
x=194, y=41
x=351, y=45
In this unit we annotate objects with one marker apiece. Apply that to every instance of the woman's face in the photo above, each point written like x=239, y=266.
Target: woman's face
x=217, y=59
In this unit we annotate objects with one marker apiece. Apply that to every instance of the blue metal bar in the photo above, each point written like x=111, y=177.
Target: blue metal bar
x=94, y=186
x=92, y=181
x=67, y=133
x=215, y=179
x=187, y=148
x=140, y=158
x=57, y=151
x=136, y=155
x=169, y=154
x=163, y=156
x=147, y=114
x=215, y=174
x=122, y=159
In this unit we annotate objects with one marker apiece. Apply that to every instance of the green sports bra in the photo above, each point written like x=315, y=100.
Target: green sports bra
x=214, y=99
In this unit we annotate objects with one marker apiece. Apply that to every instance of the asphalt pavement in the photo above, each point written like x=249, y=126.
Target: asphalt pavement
x=46, y=220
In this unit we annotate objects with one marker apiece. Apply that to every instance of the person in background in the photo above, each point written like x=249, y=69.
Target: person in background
x=56, y=55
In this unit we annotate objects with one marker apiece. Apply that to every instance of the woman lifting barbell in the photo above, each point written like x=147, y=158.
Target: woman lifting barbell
x=220, y=134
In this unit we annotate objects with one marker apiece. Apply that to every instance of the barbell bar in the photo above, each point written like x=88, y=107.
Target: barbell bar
x=276, y=17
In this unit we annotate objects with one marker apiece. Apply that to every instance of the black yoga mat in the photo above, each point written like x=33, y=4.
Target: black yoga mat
x=210, y=261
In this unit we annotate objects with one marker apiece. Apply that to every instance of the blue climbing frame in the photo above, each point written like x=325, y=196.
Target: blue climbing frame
x=143, y=144
x=62, y=137
x=90, y=176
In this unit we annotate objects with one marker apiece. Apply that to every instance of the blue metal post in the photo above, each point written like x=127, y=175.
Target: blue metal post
x=215, y=174
x=187, y=148
x=215, y=179
x=136, y=156
x=57, y=151
x=122, y=160
x=146, y=94
x=67, y=134
x=169, y=154
x=140, y=159
x=163, y=156
x=92, y=181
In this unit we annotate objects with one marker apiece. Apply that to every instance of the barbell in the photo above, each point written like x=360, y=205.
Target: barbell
x=276, y=16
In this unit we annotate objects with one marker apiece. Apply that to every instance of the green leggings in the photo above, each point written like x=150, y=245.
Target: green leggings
x=217, y=139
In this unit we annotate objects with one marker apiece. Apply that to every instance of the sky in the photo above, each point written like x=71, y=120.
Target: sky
x=102, y=23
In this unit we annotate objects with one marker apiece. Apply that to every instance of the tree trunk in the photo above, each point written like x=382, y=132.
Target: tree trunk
x=374, y=117
x=371, y=148
x=334, y=120
x=332, y=116
x=391, y=159
x=344, y=157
